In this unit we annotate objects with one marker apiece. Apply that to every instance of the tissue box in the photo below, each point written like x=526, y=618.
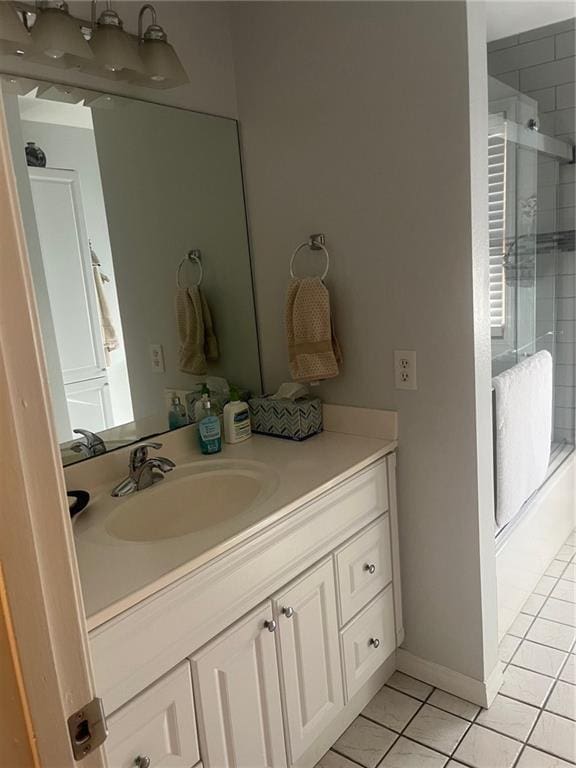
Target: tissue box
x=290, y=419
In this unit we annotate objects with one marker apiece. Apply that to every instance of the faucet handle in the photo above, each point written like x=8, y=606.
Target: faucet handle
x=139, y=455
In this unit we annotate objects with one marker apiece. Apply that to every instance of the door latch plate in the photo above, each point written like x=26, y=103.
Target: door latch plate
x=87, y=728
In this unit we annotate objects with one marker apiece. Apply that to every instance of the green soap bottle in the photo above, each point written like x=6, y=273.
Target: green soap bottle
x=209, y=429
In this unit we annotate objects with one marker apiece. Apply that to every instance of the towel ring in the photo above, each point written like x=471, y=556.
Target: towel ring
x=195, y=256
x=315, y=243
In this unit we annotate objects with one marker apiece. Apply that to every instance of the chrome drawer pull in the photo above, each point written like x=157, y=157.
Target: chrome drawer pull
x=375, y=642
x=270, y=625
x=370, y=567
x=142, y=761
x=288, y=612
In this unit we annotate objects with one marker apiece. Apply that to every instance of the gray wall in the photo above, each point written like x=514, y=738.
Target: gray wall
x=541, y=63
x=355, y=122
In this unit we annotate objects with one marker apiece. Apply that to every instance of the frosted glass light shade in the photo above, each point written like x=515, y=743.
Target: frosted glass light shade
x=163, y=67
x=14, y=38
x=114, y=51
x=56, y=34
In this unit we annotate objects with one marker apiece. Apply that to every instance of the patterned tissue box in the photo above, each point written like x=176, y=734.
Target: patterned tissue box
x=290, y=419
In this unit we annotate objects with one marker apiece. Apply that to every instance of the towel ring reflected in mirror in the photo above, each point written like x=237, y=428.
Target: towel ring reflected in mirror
x=192, y=256
x=314, y=243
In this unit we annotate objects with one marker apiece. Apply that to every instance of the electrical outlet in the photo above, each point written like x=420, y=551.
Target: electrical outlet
x=157, y=358
x=405, y=369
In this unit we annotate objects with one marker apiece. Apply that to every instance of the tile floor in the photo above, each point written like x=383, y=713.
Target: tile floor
x=532, y=722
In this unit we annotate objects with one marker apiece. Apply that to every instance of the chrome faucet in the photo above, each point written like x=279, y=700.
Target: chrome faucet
x=91, y=445
x=143, y=471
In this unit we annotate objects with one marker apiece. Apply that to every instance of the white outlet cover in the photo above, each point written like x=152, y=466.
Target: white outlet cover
x=405, y=369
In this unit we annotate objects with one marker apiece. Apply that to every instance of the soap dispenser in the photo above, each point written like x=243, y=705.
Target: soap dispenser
x=209, y=431
x=177, y=414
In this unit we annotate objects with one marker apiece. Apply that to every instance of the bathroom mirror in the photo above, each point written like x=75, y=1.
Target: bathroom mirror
x=122, y=202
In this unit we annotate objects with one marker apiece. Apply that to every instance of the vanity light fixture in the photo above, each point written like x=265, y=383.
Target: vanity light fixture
x=57, y=36
x=15, y=40
x=115, y=52
x=162, y=65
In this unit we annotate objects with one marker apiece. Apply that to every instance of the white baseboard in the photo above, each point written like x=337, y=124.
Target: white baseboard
x=477, y=691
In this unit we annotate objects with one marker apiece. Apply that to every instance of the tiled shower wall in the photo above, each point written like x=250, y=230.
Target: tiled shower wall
x=541, y=63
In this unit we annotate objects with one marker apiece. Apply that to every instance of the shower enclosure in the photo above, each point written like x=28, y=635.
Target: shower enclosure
x=532, y=274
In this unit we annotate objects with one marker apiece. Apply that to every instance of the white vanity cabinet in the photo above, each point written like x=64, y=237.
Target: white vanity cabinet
x=157, y=729
x=307, y=624
x=288, y=637
x=238, y=694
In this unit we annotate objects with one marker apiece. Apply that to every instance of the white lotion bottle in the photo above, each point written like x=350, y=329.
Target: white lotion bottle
x=236, y=417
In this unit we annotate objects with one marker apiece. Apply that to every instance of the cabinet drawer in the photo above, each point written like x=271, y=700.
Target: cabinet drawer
x=159, y=724
x=368, y=641
x=364, y=568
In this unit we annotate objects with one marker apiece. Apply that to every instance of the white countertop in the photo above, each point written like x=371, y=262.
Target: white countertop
x=115, y=574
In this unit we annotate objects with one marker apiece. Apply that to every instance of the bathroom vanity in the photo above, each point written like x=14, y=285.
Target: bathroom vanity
x=255, y=640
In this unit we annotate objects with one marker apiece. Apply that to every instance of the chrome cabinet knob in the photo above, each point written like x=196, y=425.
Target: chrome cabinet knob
x=288, y=612
x=374, y=642
x=270, y=625
x=370, y=567
x=142, y=761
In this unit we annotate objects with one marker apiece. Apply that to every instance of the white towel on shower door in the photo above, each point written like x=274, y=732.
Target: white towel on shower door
x=523, y=431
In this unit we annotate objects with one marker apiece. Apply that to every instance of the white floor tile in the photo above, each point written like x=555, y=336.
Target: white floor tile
x=570, y=572
x=510, y=717
x=453, y=704
x=508, y=646
x=408, y=754
x=539, y=658
x=391, y=708
x=485, y=749
x=520, y=625
x=555, y=568
x=562, y=701
x=566, y=553
x=545, y=585
x=332, y=760
x=551, y=633
x=365, y=742
x=571, y=539
x=533, y=604
x=437, y=729
x=568, y=674
x=565, y=590
x=556, y=735
x=410, y=685
x=525, y=685
x=533, y=758
x=559, y=610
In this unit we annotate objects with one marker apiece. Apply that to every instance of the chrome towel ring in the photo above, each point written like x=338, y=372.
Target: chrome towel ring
x=314, y=243
x=196, y=256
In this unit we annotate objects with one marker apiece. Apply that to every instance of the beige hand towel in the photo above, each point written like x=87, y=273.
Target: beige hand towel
x=109, y=337
x=313, y=349
x=210, y=340
x=197, y=338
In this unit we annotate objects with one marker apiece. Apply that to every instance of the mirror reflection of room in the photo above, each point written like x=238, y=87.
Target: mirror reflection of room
x=135, y=223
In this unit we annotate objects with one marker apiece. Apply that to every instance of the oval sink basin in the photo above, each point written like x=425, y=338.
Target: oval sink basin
x=187, y=500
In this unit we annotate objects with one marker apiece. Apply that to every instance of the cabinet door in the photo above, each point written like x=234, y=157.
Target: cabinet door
x=237, y=684
x=309, y=650
x=158, y=727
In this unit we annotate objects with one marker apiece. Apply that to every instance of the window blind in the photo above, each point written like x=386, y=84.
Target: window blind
x=497, y=221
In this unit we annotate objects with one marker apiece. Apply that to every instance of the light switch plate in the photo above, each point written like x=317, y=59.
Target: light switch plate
x=405, y=369
x=157, y=358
